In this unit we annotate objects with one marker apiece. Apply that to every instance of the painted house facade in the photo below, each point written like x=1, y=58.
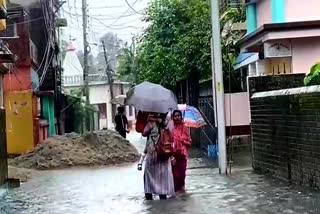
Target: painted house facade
x=32, y=84
x=283, y=37
x=6, y=61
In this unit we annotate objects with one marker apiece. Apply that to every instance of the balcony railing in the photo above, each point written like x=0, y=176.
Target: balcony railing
x=77, y=80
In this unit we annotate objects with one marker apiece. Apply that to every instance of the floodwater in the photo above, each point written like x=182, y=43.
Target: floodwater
x=119, y=189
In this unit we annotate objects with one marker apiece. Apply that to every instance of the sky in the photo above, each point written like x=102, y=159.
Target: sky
x=114, y=16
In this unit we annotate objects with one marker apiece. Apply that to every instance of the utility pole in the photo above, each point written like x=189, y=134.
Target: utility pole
x=217, y=75
x=109, y=74
x=85, y=59
x=133, y=52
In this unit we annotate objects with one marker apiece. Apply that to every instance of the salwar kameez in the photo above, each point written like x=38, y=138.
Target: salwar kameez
x=179, y=173
x=182, y=142
x=158, y=177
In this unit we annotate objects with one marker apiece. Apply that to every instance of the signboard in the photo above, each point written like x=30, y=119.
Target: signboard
x=277, y=49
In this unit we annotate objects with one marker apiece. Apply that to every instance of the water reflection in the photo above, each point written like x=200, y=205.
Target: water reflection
x=119, y=189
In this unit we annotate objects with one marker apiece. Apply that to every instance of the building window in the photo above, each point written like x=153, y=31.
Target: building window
x=102, y=110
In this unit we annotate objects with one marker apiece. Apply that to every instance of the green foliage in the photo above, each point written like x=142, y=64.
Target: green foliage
x=230, y=49
x=176, y=43
x=313, y=78
x=81, y=110
x=128, y=64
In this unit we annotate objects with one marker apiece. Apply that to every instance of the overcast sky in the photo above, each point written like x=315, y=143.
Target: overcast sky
x=104, y=16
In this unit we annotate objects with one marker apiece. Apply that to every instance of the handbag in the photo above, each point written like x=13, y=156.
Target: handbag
x=165, y=145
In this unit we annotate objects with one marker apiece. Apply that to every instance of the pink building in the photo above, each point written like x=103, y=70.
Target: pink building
x=283, y=37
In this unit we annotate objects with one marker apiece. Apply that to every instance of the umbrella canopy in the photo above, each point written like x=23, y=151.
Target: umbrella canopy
x=149, y=97
x=191, y=116
x=119, y=100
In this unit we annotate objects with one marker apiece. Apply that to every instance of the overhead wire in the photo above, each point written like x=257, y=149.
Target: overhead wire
x=131, y=7
x=50, y=31
x=108, y=26
x=121, y=16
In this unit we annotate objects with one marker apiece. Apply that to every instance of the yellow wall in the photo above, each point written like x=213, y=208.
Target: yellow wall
x=19, y=121
x=278, y=66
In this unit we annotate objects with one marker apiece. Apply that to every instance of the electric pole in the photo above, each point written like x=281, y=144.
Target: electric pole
x=85, y=59
x=109, y=74
x=217, y=75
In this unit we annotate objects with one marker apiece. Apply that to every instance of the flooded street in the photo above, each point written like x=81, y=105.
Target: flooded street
x=119, y=189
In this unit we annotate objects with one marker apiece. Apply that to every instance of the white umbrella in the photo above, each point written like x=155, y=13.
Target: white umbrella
x=150, y=97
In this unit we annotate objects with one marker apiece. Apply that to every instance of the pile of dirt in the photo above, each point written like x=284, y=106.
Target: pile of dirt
x=94, y=148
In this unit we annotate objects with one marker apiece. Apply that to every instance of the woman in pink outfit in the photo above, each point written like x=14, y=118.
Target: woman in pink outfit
x=182, y=143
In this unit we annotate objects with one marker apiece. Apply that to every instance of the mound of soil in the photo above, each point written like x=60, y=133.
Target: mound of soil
x=90, y=149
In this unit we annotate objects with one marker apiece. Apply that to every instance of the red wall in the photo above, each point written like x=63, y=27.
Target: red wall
x=19, y=79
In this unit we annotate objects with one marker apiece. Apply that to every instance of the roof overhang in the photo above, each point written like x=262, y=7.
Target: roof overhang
x=276, y=31
x=245, y=59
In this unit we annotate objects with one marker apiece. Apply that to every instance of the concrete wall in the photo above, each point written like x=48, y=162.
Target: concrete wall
x=19, y=79
x=277, y=11
x=263, y=12
x=285, y=134
x=297, y=10
x=305, y=53
x=238, y=112
x=101, y=94
x=269, y=83
x=19, y=122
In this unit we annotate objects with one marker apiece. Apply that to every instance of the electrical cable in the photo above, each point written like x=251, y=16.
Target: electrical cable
x=131, y=7
x=25, y=22
x=121, y=16
x=47, y=55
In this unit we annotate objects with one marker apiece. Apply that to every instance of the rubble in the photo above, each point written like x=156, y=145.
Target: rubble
x=91, y=149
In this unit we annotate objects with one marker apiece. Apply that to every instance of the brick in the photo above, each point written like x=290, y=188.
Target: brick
x=286, y=135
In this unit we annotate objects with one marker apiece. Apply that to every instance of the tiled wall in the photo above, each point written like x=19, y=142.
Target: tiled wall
x=286, y=137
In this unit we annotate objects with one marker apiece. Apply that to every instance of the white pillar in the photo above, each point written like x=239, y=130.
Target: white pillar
x=217, y=73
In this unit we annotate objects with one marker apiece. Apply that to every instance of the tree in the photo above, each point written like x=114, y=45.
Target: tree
x=128, y=67
x=91, y=62
x=230, y=49
x=176, y=44
x=313, y=78
x=113, y=46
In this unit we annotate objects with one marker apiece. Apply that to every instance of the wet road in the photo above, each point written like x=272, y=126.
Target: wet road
x=120, y=190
